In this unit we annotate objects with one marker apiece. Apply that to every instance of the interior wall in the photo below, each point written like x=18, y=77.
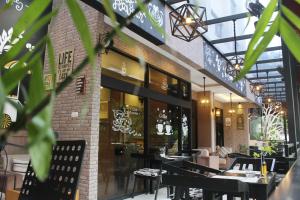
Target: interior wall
x=233, y=137
x=204, y=120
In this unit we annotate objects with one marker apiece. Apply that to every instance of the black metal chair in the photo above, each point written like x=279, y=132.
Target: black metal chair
x=212, y=188
x=152, y=172
x=63, y=176
x=255, y=162
x=187, y=168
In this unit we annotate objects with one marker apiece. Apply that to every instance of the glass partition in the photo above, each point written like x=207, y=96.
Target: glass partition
x=121, y=135
x=164, y=127
x=123, y=68
x=163, y=83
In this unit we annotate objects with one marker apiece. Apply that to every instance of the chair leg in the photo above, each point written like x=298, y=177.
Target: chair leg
x=157, y=187
x=229, y=197
x=134, y=184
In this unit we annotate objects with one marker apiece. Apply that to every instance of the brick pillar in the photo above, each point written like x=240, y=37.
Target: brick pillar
x=64, y=36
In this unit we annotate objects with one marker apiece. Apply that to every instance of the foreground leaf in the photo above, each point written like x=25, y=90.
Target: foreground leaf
x=261, y=47
x=30, y=15
x=261, y=27
x=291, y=16
x=83, y=29
x=19, y=46
x=291, y=38
x=40, y=134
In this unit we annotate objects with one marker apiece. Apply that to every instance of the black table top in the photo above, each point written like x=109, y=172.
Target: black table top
x=289, y=188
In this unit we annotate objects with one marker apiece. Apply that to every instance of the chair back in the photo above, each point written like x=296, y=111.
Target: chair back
x=63, y=175
x=226, y=186
x=255, y=162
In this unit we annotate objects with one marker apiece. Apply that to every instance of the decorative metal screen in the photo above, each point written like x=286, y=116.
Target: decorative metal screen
x=62, y=181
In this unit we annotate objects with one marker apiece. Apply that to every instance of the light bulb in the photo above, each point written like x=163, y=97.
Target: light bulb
x=257, y=88
x=282, y=112
x=237, y=66
x=188, y=20
x=269, y=100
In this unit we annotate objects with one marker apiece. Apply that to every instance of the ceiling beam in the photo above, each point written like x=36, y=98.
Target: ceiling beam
x=173, y=1
x=264, y=77
x=227, y=18
x=269, y=61
x=243, y=52
x=263, y=70
x=231, y=39
x=273, y=82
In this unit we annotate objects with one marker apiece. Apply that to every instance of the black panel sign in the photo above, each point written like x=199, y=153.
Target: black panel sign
x=141, y=24
x=215, y=64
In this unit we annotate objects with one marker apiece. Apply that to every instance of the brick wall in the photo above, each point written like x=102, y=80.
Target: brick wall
x=64, y=36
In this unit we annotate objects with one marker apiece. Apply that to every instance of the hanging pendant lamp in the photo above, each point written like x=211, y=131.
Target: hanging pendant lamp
x=277, y=103
x=188, y=21
x=268, y=98
x=235, y=63
x=257, y=87
x=231, y=110
x=205, y=99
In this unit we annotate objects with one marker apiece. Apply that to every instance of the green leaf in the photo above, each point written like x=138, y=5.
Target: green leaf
x=2, y=98
x=13, y=76
x=40, y=134
x=260, y=48
x=19, y=46
x=291, y=38
x=261, y=26
x=154, y=23
x=111, y=14
x=30, y=15
x=51, y=57
x=6, y=6
x=291, y=16
x=82, y=27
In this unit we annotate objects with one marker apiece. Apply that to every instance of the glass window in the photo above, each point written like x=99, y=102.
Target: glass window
x=185, y=128
x=121, y=135
x=185, y=88
x=123, y=68
x=164, y=127
x=162, y=83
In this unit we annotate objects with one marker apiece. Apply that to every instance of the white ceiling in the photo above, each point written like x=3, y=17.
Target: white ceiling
x=220, y=93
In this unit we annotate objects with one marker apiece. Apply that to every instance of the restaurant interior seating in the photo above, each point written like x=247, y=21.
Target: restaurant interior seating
x=151, y=173
x=243, y=163
x=185, y=179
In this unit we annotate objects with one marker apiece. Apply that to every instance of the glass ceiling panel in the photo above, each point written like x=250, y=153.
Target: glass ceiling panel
x=267, y=55
x=273, y=65
x=223, y=8
x=242, y=45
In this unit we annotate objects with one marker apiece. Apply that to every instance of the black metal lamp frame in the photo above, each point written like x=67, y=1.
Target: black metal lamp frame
x=268, y=99
x=235, y=63
x=257, y=88
x=188, y=22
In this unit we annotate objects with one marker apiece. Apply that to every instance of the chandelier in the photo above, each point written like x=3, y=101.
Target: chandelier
x=204, y=100
x=235, y=63
x=188, y=21
x=257, y=87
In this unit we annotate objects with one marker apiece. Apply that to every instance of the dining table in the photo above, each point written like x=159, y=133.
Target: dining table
x=260, y=187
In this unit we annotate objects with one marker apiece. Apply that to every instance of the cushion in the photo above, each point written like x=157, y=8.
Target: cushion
x=204, y=153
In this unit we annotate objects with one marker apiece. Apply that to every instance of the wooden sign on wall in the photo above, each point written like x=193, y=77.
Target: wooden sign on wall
x=65, y=65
